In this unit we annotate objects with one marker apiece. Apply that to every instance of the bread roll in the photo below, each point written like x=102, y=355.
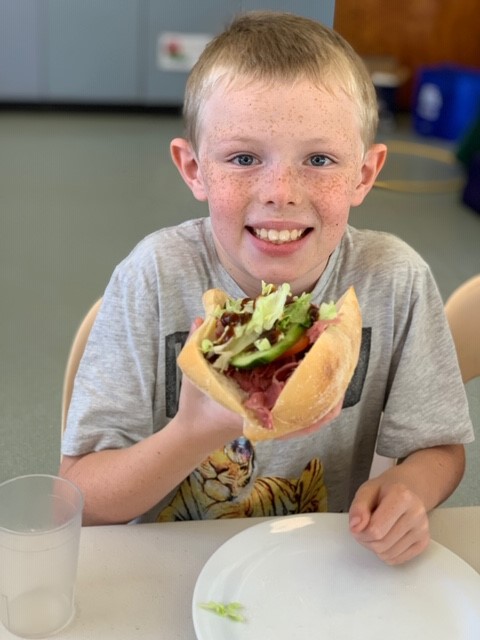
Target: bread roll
x=315, y=387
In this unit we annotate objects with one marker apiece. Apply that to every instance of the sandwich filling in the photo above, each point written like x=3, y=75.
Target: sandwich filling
x=260, y=342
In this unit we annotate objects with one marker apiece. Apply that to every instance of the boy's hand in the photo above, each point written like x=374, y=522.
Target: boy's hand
x=390, y=520
x=192, y=399
x=389, y=514
x=198, y=410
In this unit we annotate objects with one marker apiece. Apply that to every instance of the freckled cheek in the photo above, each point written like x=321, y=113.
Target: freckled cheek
x=227, y=195
x=332, y=202
x=226, y=211
x=331, y=196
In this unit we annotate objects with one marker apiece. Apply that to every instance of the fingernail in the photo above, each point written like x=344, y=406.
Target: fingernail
x=355, y=520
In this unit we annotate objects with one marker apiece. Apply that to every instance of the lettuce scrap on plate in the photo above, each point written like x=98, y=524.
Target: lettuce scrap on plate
x=230, y=610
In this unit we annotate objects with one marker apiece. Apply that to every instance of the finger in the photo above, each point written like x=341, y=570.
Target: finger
x=386, y=515
x=402, y=535
x=398, y=511
x=408, y=537
x=363, y=506
x=404, y=552
x=197, y=322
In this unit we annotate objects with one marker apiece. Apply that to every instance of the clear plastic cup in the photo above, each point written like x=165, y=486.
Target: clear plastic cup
x=40, y=524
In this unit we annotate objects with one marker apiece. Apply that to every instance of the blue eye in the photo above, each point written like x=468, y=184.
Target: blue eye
x=244, y=160
x=319, y=160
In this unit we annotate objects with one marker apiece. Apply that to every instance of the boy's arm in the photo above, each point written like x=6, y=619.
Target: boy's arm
x=389, y=513
x=121, y=484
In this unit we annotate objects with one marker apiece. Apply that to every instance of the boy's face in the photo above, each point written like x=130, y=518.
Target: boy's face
x=280, y=168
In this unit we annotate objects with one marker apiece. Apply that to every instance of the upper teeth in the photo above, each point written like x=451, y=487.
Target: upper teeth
x=284, y=235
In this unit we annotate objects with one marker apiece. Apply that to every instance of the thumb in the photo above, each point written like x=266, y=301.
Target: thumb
x=362, y=507
x=197, y=322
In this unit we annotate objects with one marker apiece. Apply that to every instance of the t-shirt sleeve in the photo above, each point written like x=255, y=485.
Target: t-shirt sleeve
x=112, y=400
x=426, y=403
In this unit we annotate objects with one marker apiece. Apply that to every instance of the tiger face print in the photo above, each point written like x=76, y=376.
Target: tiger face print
x=224, y=486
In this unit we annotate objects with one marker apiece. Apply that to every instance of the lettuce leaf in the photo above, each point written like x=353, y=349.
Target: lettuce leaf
x=230, y=610
x=268, y=309
x=328, y=311
x=297, y=312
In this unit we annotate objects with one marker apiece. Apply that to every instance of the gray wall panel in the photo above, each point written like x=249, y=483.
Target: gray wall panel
x=22, y=51
x=93, y=50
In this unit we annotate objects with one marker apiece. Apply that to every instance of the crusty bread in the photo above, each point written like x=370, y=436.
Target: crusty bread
x=315, y=387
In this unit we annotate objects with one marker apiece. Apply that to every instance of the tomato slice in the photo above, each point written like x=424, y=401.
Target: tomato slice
x=298, y=347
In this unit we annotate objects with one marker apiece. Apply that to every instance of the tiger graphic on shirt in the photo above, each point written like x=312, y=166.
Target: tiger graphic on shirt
x=225, y=486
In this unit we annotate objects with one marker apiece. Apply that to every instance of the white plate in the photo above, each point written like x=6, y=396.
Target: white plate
x=305, y=577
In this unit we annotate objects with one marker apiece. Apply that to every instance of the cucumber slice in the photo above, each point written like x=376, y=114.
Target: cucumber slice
x=250, y=359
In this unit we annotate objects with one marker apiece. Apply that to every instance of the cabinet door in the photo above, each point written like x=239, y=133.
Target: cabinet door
x=93, y=50
x=22, y=51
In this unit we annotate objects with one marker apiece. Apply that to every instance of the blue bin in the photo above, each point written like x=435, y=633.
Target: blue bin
x=446, y=101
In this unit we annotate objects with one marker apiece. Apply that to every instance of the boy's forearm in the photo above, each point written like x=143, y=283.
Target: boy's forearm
x=432, y=474
x=121, y=484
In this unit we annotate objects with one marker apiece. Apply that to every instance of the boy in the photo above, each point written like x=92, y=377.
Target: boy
x=280, y=125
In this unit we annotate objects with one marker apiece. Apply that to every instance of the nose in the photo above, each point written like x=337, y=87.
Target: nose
x=280, y=187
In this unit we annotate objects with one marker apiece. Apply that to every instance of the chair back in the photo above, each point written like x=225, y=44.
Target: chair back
x=76, y=353
x=463, y=314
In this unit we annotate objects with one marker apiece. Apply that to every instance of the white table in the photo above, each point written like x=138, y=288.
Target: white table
x=135, y=582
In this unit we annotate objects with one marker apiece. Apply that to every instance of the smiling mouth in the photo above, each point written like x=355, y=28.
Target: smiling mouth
x=282, y=236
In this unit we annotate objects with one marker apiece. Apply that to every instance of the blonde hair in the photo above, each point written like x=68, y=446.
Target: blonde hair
x=275, y=47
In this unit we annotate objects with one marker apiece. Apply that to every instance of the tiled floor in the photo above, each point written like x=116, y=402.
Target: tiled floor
x=77, y=191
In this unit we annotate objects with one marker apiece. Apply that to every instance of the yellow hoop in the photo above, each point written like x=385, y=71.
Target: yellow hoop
x=422, y=186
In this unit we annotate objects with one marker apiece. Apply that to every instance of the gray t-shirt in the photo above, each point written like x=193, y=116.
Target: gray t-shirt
x=406, y=390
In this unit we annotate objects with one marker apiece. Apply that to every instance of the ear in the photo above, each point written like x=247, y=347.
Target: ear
x=372, y=165
x=185, y=159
